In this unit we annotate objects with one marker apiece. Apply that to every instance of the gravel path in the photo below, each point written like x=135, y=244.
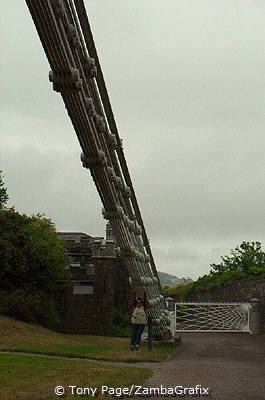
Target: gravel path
x=232, y=365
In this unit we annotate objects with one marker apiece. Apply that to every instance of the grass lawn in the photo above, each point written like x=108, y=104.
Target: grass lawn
x=20, y=336
x=34, y=378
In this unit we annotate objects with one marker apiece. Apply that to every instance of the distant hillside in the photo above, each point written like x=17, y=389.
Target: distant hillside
x=172, y=280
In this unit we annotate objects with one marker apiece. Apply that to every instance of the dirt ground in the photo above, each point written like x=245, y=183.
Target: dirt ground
x=231, y=365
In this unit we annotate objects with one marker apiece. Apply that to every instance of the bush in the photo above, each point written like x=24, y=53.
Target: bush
x=121, y=324
x=181, y=291
x=28, y=307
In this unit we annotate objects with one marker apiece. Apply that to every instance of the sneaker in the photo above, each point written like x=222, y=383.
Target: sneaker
x=131, y=347
x=136, y=346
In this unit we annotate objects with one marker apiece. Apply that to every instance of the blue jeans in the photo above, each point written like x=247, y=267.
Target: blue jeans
x=137, y=330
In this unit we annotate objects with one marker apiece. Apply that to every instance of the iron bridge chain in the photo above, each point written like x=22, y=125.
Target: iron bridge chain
x=76, y=74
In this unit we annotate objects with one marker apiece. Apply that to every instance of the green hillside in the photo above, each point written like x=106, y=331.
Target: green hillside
x=20, y=336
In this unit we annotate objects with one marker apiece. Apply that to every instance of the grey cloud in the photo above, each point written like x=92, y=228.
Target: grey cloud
x=186, y=82
x=53, y=182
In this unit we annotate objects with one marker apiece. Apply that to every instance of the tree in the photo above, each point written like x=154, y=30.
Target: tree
x=245, y=258
x=3, y=193
x=32, y=255
x=32, y=260
x=245, y=261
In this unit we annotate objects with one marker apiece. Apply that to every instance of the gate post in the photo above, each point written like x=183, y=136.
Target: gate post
x=171, y=305
x=254, y=322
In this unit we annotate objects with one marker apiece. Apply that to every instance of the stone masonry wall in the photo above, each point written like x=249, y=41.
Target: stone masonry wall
x=241, y=291
x=89, y=313
x=92, y=314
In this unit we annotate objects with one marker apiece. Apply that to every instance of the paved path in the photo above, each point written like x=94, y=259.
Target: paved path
x=232, y=365
x=73, y=358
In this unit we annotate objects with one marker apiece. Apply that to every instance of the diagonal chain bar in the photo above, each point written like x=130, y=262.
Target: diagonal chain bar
x=76, y=74
x=88, y=37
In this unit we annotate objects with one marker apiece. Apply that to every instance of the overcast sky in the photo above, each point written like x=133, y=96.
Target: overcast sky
x=186, y=81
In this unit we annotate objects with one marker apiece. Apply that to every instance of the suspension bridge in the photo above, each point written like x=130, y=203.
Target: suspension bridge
x=65, y=34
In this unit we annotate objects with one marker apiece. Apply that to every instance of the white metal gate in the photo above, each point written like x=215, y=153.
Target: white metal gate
x=212, y=317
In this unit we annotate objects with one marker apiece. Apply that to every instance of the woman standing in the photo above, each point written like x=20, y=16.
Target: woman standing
x=138, y=320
